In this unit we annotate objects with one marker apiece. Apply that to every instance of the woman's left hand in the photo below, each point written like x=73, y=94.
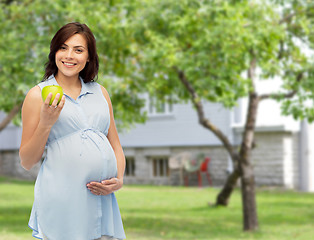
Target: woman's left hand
x=105, y=187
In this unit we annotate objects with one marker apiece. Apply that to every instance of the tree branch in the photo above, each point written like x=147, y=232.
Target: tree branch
x=287, y=18
x=282, y=95
x=248, y=134
x=10, y=116
x=201, y=116
x=224, y=195
x=251, y=71
x=281, y=50
x=281, y=21
x=277, y=95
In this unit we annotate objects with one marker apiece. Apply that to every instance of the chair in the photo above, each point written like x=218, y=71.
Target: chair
x=204, y=168
x=198, y=168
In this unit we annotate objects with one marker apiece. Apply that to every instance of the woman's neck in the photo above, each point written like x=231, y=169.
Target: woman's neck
x=71, y=86
x=68, y=82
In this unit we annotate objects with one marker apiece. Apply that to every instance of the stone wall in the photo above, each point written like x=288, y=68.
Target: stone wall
x=10, y=166
x=275, y=160
x=143, y=166
x=217, y=167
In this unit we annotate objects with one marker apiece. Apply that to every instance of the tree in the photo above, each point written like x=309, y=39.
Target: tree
x=197, y=50
x=215, y=51
x=27, y=28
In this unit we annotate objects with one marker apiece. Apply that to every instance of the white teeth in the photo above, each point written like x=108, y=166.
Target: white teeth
x=69, y=64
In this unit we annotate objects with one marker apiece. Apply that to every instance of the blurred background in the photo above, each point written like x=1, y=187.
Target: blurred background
x=211, y=98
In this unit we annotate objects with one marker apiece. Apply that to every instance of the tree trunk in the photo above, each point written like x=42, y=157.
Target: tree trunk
x=241, y=160
x=250, y=222
x=10, y=116
x=224, y=195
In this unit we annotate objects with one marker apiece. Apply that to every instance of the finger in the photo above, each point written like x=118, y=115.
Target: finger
x=103, y=189
x=110, y=181
x=106, y=182
x=95, y=192
x=47, y=100
x=55, y=101
x=93, y=183
x=96, y=186
x=99, y=192
x=62, y=102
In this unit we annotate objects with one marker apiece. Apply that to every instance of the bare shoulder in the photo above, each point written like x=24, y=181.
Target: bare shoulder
x=34, y=92
x=33, y=99
x=106, y=94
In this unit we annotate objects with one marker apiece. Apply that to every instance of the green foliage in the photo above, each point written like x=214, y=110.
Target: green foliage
x=142, y=42
x=213, y=43
x=27, y=28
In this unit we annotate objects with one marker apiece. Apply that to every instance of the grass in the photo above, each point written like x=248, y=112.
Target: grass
x=162, y=212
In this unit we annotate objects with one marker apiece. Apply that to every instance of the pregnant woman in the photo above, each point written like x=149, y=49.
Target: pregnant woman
x=85, y=163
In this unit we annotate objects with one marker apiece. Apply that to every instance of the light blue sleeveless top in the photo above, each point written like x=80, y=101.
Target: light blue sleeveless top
x=78, y=152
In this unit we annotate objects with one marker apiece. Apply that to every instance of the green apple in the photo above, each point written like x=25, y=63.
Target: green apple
x=54, y=89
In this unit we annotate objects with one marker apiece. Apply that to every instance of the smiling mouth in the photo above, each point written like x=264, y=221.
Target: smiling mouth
x=68, y=64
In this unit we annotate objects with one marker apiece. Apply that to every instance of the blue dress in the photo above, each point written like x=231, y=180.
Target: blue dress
x=78, y=152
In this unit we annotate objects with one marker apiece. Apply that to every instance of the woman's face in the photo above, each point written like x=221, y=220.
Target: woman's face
x=72, y=56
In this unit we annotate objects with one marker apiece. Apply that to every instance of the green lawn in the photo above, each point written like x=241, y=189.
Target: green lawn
x=154, y=212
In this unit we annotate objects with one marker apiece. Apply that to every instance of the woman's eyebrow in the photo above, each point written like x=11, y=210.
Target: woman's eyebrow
x=75, y=46
x=79, y=46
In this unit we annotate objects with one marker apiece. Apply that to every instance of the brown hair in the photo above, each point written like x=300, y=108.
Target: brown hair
x=90, y=71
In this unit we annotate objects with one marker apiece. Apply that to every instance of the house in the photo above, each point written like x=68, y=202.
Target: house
x=282, y=156
x=169, y=133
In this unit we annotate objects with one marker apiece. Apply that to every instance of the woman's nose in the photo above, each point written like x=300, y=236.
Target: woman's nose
x=69, y=54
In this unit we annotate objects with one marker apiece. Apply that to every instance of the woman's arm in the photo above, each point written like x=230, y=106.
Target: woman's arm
x=114, y=139
x=37, y=120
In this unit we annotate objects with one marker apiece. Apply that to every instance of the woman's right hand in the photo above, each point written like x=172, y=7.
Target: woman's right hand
x=37, y=119
x=49, y=114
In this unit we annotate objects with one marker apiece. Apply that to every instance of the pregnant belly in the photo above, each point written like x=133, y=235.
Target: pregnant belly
x=81, y=159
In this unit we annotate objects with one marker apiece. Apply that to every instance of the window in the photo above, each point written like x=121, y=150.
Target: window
x=160, y=167
x=129, y=166
x=157, y=107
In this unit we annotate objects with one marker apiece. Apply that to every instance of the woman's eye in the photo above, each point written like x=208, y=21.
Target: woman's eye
x=79, y=50
x=62, y=48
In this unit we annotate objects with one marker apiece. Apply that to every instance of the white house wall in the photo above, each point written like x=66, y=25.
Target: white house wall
x=10, y=137
x=268, y=115
x=269, y=111
x=181, y=128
